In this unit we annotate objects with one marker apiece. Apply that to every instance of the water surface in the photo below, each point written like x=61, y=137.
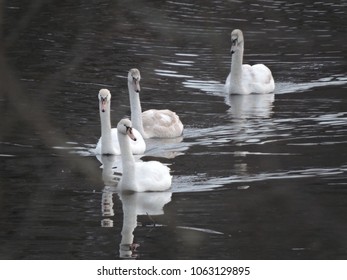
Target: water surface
x=254, y=177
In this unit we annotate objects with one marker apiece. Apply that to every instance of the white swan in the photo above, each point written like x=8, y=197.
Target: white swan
x=151, y=123
x=108, y=142
x=244, y=78
x=139, y=176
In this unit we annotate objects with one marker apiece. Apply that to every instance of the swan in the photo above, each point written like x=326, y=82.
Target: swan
x=139, y=176
x=108, y=142
x=151, y=123
x=244, y=78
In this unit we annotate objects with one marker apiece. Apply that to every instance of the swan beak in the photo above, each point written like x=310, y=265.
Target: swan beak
x=131, y=134
x=103, y=105
x=137, y=86
x=233, y=45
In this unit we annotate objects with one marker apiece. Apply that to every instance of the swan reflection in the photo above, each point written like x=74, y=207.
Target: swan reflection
x=107, y=207
x=110, y=165
x=110, y=180
x=250, y=105
x=136, y=204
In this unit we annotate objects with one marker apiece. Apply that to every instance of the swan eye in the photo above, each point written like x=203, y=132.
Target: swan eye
x=234, y=42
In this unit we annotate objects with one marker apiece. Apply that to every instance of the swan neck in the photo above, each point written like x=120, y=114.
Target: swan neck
x=136, y=110
x=236, y=63
x=106, y=136
x=128, y=162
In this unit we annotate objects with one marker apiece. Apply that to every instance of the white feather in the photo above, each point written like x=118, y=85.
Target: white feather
x=151, y=123
x=140, y=176
x=108, y=142
x=244, y=78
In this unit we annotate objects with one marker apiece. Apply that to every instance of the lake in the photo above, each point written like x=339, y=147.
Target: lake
x=254, y=176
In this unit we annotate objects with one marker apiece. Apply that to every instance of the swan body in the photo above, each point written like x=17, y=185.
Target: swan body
x=244, y=78
x=139, y=176
x=108, y=142
x=151, y=123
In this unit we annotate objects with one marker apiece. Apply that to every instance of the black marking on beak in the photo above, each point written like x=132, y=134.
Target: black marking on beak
x=103, y=102
x=129, y=131
x=136, y=84
x=233, y=44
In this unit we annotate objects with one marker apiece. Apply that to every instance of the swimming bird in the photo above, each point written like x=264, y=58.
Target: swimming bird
x=108, y=142
x=151, y=123
x=244, y=78
x=139, y=176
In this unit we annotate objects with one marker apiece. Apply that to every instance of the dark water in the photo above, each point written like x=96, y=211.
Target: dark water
x=254, y=177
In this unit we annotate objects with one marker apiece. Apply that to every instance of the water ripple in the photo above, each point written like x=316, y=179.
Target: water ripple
x=203, y=182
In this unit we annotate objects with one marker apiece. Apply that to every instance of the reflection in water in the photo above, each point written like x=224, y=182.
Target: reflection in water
x=110, y=180
x=251, y=105
x=135, y=204
x=108, y=173
x=107, y=207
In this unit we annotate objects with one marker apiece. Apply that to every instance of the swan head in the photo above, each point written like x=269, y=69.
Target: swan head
x=236, y=41
x=134, y=78
x=104, y=98
x=125, y=127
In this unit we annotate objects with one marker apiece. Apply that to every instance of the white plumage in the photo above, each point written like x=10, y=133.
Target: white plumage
x=151, y=123
x=108, y=142
x=244, y=78
x=139, y=176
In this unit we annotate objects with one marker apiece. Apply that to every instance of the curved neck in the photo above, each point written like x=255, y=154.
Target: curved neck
x=106, y=136
x=128, y=163
x=136, y=111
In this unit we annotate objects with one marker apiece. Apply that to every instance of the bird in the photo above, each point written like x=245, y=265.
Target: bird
x=151, y=123
x=244, y=78
x=108, y=142
x=139, y=176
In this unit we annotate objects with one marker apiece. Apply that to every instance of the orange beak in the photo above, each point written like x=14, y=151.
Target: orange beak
x=130, y=133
